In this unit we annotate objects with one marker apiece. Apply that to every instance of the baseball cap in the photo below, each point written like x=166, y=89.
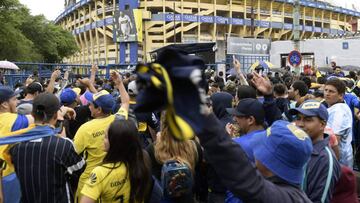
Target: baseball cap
x=69, y=95
x=284, y=149
x=7, y=93
x=34, y=87
x=311, y=108
x=102, y=99
x=132, y=89
x=248, y=107
x=46, y=103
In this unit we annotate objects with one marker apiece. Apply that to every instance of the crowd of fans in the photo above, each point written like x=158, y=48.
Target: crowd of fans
x=259, y=137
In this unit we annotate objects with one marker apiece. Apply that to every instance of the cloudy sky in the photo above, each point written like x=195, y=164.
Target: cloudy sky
x=50, y=8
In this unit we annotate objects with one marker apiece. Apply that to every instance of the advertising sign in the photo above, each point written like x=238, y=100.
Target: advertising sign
x=241, y=46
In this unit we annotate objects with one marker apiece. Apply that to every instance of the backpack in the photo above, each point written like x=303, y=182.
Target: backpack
x=176, y=179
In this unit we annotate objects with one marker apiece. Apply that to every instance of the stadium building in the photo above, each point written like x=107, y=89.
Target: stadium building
x=127, y=31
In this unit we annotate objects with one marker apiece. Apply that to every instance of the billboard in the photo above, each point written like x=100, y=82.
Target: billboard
x=248, y=46
x=128, y=25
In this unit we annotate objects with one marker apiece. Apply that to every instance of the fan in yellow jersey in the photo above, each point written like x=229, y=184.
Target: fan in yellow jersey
x=89, y=138
x=10, y=121
x=124, y=176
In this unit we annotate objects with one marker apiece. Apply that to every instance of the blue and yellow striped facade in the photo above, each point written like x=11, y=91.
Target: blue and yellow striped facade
x=182, y=21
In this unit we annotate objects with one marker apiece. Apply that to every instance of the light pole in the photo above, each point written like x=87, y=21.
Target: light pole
x=252, y=18
x=296, y=30
x=174, y=25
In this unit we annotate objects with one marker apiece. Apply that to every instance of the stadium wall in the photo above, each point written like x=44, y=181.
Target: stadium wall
x=184, y=21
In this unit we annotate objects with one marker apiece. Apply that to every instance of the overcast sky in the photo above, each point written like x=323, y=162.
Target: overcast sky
x=50, y=8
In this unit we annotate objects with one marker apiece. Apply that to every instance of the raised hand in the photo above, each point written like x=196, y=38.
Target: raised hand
x=66, y=75
x=94, y=68
x=237, y=65
x=262, y=84
x=55, y=74
x=85, y=81
x=116, y=77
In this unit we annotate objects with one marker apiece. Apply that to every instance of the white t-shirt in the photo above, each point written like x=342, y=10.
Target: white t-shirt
x=341, y=122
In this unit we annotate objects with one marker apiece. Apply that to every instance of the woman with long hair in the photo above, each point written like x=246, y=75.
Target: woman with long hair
x=167, y=148
x=125, y=175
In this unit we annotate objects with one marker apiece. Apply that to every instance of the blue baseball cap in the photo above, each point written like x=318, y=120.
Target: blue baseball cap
x=249, y=107
x=284, y=149
x=102, y=99
x=69, y=95
x=311, y=108
x=7, y=93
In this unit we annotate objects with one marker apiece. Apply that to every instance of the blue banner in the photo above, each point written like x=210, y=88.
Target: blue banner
x=189, y=18
x=288, y=26
x=309, y=28
x=207, y=19
x=221, y=20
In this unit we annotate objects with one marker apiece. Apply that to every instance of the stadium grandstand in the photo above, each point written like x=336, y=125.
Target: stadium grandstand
x=105, y=36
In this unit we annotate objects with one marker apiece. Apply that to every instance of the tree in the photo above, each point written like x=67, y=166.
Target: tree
x=24, y=37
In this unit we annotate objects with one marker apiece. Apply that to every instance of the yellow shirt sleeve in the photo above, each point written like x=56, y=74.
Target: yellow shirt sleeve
x=123, y=112
x=93, y=186
x=79, y=140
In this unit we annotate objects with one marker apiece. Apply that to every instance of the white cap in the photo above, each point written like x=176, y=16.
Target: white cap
x=132, y=89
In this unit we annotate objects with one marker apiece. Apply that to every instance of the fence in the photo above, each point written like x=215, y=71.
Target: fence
x=44, y=71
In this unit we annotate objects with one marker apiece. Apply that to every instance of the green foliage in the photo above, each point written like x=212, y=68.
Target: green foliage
x=24, y=37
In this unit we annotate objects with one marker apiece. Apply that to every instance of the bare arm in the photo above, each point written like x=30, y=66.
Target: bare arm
x=94, y=69
x=125, y=99
x=85, y=199
x=54, y=75
x=336, y=150
x=86, y=82
x=239, y=74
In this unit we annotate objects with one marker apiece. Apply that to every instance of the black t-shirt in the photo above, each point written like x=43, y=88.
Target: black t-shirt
x=146, y=121
x=83, y=115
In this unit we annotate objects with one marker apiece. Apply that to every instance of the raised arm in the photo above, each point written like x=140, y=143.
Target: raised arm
x=87, y=83
x=54, y=76
x=239, y=74
x=124, y=96
x=94, y=69
x=263, y=84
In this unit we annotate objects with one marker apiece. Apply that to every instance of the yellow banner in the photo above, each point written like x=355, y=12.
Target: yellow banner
x=138, y=23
